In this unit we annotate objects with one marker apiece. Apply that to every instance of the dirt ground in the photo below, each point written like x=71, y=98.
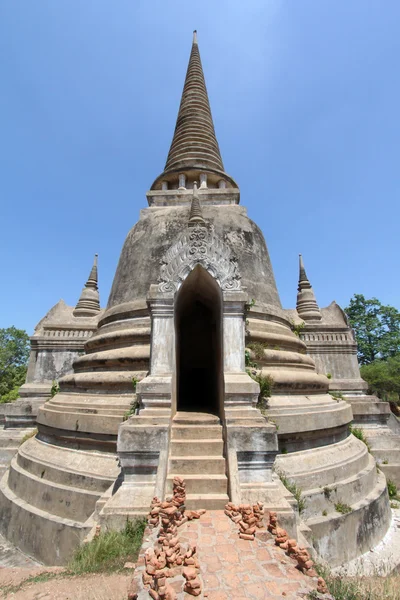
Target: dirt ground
x=59, y=587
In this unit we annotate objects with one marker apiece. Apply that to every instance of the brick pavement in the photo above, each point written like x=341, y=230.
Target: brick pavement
x=232, y=568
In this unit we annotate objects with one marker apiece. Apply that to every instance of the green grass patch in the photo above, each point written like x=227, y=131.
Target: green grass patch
x=28, y=436
x=392, y=489
x=295, y=490
x=343, y=508
x=359, y=434
x=110, y=550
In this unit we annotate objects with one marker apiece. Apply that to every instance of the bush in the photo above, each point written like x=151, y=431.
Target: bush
x=392, y=489
x=10, y=396
x=110, y=550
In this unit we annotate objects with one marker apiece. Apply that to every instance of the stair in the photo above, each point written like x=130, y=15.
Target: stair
x=196, y=454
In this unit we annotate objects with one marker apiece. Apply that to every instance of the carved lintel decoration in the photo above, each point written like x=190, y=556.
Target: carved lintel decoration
x=199, y=246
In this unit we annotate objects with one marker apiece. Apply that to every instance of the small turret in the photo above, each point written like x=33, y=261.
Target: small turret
x=89, y=302
x=196, y=215
x=306, y=305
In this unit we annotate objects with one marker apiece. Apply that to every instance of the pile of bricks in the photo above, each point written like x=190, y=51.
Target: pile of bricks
x=248, y=517
x=192, y=584
x=300, y=554
x=154, y=515
x=168, y=557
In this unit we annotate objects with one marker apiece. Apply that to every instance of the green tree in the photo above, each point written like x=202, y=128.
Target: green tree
x=14, y=354
x=383, y=377
x=376, y=326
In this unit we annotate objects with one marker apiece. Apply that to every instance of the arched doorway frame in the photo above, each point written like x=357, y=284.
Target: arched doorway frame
x=199, y=297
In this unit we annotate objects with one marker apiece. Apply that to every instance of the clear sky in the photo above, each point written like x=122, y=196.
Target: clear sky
x=305, y=96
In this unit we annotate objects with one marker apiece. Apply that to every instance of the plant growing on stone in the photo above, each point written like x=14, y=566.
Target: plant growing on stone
x=359, y=434
x=343, y=508
x=329, y=375
x=248, y=361
x=55, y=388
x=297, y=328
x=28, y=436
x=295, y=490
x=392, y=489
x=258, y=349
x=266, y=384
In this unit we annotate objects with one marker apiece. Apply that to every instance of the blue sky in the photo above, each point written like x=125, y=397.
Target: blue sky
x=305, y=97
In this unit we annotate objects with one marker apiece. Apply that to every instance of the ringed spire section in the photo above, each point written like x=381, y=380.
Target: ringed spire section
x=194, y=154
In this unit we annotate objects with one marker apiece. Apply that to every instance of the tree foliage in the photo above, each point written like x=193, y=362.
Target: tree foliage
x=14, y=354
x=377, y=328
x=383, y=377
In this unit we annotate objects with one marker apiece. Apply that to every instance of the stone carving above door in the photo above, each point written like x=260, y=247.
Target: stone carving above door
x=199, y=246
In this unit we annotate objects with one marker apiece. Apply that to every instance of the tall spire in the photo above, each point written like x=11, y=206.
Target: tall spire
x=194, y=147
x=306, y=305
x=89, y=302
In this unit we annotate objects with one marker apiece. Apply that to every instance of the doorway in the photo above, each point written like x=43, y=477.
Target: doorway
x=198, y=310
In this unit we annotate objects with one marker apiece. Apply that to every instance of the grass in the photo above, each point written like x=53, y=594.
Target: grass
x=343, y=508
x=295, y=490
x=109, y=551
x=28, y=436
x=360, y=588
x=105, y=553
x=359, y=434
x=392, y=489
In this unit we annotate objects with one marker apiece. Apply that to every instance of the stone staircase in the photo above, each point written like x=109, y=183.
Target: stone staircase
x=196, y=454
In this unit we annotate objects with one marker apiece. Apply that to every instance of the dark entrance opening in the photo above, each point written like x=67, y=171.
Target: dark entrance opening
x=199, y=346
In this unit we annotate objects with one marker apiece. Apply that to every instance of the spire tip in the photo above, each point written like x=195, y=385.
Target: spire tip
x=195, y=36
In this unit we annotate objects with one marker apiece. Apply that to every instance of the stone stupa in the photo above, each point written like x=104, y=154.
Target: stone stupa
x=163, y=388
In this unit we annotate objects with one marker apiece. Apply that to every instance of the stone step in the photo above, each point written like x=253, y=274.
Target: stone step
x=6, y=455
x=392, y=472
x=34, y=531
x=392, y=455
x=198, y=484
x=195, y=418
x=199, y=447
x=204, y=465
x=194, y=432
x=11, y=438
x=207, y=501
x=347, y=491
x=63, y=501
x=79, y=469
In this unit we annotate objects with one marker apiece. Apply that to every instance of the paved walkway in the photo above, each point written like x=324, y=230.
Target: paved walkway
x=232, y=568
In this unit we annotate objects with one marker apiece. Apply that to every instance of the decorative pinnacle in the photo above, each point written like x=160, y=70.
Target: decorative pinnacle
x=196, y=216
x=302, y=271
x=89, y=302
x=307, y=307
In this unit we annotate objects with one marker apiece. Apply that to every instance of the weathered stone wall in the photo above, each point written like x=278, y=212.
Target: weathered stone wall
x=159, y=228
